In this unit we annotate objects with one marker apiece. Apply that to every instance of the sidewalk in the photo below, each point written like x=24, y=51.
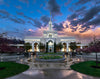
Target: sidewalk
x=51, y=74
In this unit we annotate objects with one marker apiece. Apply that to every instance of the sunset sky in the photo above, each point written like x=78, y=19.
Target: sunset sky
x=79, y=18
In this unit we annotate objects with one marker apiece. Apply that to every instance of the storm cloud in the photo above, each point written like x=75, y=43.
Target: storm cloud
x=82, y=1
x=53, y=7
x=89, y=18
x=58, y=27
x=45, y=19
x=37, y=23
x=73, y=16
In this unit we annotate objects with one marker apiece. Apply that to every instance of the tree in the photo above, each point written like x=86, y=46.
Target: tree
x=47, y=47
x=54, y=47
x=59, y=46
x=78, y=50
x=93, y=47
x=27, y=46
x=91, y=43
x=96, y=48
x=73, y=46
x=41, y=46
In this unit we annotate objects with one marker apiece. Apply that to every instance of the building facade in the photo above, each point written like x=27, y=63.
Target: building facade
x=48, y=39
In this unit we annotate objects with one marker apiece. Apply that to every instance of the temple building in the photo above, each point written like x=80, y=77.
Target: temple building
x=49, y=37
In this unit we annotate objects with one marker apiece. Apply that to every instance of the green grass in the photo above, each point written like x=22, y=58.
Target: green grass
x=11, y=69
x=51, y=53
x=50, y=57
x=85, y=68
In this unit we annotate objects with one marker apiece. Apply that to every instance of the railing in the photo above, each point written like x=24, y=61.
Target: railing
x=11, y=58
x=87, y=58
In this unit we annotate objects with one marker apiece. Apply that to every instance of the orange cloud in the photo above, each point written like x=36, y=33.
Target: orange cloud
x=67, y=31
x=37, y=32
x=30, y=30
x=85, y=36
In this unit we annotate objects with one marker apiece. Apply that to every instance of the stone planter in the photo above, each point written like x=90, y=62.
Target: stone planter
x=50, y=60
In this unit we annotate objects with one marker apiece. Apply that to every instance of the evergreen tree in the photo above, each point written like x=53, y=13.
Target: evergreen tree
x=54, y=47
x=27, y=46
x=73, y=46
x=41, y=46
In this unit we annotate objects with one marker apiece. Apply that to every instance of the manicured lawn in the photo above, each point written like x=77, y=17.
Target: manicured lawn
x=50, y=57
x=85, y=68
x=11, y=69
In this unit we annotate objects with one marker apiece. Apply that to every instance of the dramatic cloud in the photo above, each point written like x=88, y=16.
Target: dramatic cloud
x=17, y=20
x=58, y=27
x=4, y=12
x=31, y=23
x=82, y=1
x=53, y=7
x=71, y=17
x=90, y=14
x=81, y=22
x=28, y=17
x=95, y=22
x=97, y=2
x=37, y=23
x=45, y=19
x=81, y=9
x=38, y=32
x=68, y=31
x=88, y=19
x=68, y=2
x=30, y=30
x=22, y=14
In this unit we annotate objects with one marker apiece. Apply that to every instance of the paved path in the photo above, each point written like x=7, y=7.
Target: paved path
x=51, y=74
x=50, y=71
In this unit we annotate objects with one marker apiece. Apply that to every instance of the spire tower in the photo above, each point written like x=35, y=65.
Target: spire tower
x=50, y=23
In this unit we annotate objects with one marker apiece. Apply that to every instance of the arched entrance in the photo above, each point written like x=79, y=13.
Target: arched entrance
x=50, y=46
x=64, y=47
x=36, y=49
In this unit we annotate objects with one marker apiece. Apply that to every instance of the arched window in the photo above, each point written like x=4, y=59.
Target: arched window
x=50, y=42
x=50, y=35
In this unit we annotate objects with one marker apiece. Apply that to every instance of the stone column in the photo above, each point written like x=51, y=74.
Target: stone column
x=17, y=46
x=32, y=47
x=67, y=47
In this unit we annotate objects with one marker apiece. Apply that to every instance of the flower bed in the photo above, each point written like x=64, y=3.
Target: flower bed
x=50, y=57
x=52, y=53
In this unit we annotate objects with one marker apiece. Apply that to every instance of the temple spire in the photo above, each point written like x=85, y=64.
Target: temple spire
x=50, y=16
x=50, y=23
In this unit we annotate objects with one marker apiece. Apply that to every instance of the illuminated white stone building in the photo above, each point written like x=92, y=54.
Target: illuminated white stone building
x=49, y=37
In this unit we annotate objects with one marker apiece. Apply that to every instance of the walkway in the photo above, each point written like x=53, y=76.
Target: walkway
x=40, y=70
x=51, y=74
